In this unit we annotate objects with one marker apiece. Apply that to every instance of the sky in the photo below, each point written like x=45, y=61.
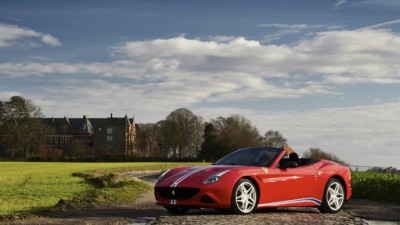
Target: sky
x=323, y=73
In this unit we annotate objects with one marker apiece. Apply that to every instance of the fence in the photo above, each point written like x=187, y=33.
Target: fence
x=377, y=169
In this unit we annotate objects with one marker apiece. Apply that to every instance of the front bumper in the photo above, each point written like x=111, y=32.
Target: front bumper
x=209, y=196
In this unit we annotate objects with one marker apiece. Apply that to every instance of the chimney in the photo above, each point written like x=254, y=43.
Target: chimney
x=111, y=115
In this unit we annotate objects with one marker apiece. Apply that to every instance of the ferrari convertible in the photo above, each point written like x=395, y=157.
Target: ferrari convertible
x=258, y=177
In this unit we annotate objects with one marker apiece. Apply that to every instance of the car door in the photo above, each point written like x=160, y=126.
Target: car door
x=294, y=183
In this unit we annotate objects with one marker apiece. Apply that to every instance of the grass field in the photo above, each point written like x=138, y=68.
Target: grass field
x=31, y=187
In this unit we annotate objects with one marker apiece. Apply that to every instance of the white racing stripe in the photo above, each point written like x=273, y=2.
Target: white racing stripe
x=188, y=174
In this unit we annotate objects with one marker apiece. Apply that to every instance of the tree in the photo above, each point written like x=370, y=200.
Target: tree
x=197, y=136
x=21, y=131
x=274, y=139
x=184, y=130
x=150, y=140
x=317, y=153
x=210, y=144
x=232, y=133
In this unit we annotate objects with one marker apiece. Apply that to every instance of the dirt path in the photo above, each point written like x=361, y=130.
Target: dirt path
x=372, y=210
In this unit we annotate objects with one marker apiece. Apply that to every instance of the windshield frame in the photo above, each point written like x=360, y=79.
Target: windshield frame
x=238, y=157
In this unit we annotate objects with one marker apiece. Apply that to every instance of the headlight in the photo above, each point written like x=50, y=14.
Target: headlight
x=215, y=178
x=161, y=176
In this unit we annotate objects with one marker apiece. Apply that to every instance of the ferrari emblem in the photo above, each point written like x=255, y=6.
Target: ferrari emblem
x=265, y=170
x=173, y=192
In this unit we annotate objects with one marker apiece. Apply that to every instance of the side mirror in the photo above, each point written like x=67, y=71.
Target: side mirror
x=289, y=164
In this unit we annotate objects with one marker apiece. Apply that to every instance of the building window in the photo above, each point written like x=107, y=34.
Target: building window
x=109, y=138
x=64, y=129
x=109, y=130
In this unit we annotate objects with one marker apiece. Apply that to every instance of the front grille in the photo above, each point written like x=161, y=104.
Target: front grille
x=176, y=193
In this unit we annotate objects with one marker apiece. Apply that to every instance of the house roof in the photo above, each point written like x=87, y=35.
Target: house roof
x=86, y=126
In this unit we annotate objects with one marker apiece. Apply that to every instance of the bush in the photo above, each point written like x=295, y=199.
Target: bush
x=111, y=180
x=376, y=186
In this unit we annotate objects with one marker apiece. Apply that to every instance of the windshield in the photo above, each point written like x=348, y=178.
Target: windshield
x=260, y=156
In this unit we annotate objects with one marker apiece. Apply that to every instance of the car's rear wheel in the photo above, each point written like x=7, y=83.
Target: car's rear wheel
x=176, y=209
x=334, y=196
x=244, y=197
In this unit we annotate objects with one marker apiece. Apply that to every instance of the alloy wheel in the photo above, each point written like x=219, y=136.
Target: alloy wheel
x=246, y=197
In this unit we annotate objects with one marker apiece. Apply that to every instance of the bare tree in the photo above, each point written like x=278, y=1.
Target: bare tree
x=273, y=138
x=185, y=130
x=147, y=139
x=197, y=133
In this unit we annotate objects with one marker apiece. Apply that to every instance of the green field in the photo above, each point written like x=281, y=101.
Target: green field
x=31, y=187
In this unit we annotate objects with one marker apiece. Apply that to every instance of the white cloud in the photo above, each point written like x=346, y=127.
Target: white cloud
x=363, y=56
x=339, y=3
x=287, y=29
x=230, y=69
x=5, y=96
x=11, y=35
x=50, y=40
x=290, y=26
x=337, y=56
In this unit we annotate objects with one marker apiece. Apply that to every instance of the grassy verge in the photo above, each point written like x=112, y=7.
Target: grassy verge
x=376, y=186
x=29, y=187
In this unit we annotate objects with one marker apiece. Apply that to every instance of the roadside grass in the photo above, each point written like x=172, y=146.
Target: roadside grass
x=33, y=187
x=376, y=186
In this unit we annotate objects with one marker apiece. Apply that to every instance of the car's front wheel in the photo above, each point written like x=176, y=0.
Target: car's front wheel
x=176, y=209
x=244, y=197
x=334, y=196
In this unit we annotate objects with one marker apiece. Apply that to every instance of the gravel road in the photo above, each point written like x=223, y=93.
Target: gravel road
x=145, y=211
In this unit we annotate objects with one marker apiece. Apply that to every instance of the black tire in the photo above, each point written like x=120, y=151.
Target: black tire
x=176, y=210
x=334, y=196
x=244, y=198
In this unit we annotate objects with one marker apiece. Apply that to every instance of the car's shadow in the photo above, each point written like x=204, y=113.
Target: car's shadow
x=302, y=210
x=124, y=212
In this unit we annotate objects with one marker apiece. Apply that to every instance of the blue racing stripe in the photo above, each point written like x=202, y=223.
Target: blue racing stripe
x=314, y=200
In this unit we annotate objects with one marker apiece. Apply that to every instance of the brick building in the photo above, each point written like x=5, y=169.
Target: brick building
x=111, y=135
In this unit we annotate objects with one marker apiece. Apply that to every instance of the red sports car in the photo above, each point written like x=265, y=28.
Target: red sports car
x=258, y=177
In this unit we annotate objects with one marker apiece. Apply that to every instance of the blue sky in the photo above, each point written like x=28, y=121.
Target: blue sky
x=323, y=73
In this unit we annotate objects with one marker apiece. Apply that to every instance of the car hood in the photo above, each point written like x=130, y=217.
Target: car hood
x=192, y=176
